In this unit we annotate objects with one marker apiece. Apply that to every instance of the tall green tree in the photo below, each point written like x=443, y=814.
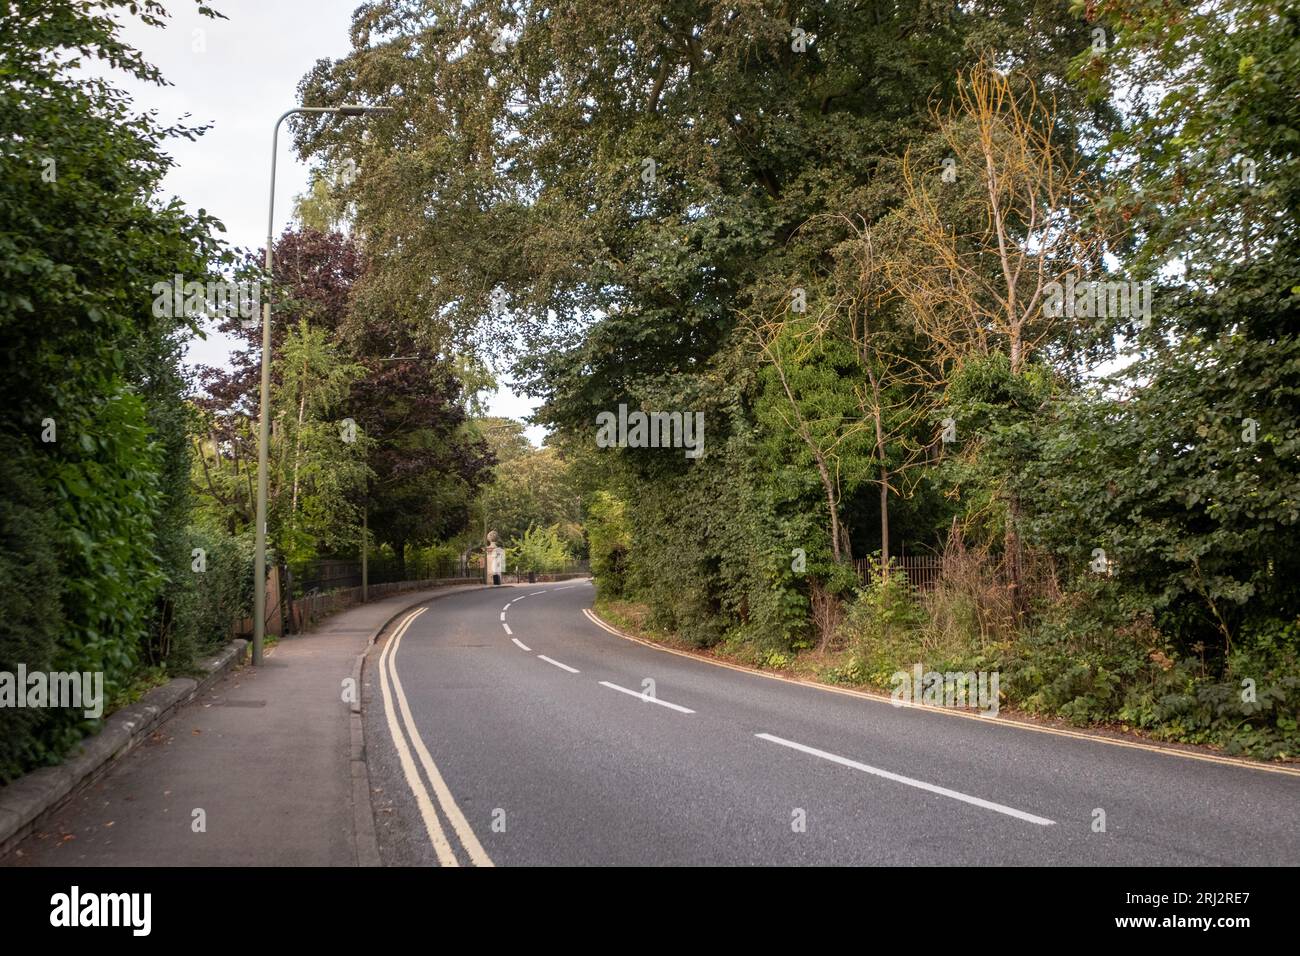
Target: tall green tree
x=320, y=465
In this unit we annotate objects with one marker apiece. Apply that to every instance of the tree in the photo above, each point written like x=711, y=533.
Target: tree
x=322, y=207
x=428, y=462
x=881, y=383
x=530, y=486
x=981, y=252
x=539, y=549
x=814, y=404
x=95, y=424
x=974, y=253
x=1203, y=170
x=421, y=463
x=610, y=540
x=320, y=465
x=1194, y=494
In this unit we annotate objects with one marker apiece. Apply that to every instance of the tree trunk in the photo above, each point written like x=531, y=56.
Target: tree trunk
x=884, y=522
x=884, y=473
x=829, y=486
x=823, y=472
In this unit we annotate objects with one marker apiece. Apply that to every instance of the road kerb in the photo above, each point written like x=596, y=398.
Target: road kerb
x=1000, y=721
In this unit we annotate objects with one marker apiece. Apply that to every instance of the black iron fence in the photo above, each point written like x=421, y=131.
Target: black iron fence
x=321, y=577
x=922, y=571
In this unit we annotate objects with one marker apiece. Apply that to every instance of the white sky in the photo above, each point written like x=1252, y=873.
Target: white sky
x=240, y=74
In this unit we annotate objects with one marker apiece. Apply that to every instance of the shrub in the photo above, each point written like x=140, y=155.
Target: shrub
x=882, y=628
x=610, y=536
x=31, y=618
x=540, y=549
x=217, y=598
x=1098, y=657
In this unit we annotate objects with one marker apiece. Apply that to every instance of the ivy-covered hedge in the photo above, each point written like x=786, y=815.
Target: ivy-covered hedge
x=94, y=562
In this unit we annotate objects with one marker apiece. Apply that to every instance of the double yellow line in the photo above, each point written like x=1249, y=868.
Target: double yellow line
x=399, y=730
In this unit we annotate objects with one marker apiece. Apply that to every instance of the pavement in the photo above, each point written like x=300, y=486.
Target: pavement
x=255, y=772
x=505, y=727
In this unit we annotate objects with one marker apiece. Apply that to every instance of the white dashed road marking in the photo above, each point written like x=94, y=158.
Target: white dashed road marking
x=563, y=667
x=649, y=700
x=909, y=781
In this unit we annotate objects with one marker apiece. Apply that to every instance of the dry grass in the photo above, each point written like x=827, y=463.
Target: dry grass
x=974, y=601
x=827, y=615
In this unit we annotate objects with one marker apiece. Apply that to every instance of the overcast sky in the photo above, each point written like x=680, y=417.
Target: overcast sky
x=239, y=75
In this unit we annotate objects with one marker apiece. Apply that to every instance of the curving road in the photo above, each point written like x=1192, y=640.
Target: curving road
x=506, y=727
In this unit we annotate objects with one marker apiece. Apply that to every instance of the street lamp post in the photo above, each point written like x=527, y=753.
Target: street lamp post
x=264, y=424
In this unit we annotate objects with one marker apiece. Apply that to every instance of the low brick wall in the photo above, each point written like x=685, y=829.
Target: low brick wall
x=309, y=610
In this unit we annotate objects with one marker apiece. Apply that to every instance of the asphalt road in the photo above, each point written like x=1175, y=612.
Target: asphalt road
x=538, y=741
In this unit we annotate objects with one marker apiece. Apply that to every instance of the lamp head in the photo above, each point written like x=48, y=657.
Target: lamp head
x=362, y=110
